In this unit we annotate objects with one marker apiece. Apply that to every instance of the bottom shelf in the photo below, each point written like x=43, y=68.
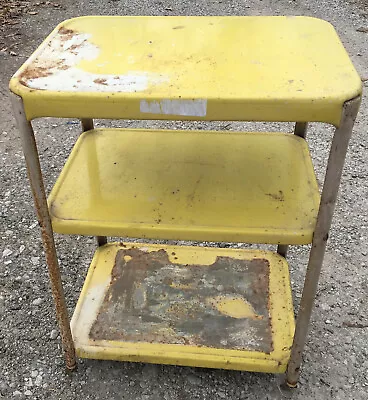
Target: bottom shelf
x=191, y=306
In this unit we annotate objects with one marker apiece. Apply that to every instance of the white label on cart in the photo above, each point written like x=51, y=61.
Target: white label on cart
x=186, y=108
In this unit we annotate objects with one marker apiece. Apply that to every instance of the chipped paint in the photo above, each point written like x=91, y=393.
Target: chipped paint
x=76, y=80
x=94, y=298
x=185, y=108
x=221, y=305
x=57, y=68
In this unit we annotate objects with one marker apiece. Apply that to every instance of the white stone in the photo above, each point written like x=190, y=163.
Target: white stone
x=7, y=253
x=34, y=373
x=53, y=334
x=38, y=380
x=35, y=260
x=37, y=301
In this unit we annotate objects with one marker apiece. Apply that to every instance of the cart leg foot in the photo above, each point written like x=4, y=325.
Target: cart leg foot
x=290, y=385
x=71, y=368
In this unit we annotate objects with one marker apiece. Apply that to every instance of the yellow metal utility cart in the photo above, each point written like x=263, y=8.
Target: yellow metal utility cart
x=196, y=306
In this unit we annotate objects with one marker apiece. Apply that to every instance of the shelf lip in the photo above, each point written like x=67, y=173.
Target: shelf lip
x=95, y=293
x=200, y=233
x=217, y=192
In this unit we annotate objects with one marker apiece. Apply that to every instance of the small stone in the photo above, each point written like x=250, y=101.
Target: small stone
x=5, y=133
x=34, y=373
x=222, y=395
x=54, y=334
x=328, y=321
x=8, y=262
x=38, y=380
x=28, y=393
x=35, y=260
x=7, y=253
x=325, y=307
x=17, y=393
x=8, y=232
x=33, y=225
x=21, y=248
x=37, y=301
x=194, y=380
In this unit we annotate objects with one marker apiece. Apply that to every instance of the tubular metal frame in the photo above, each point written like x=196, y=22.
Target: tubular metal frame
x=328, y=201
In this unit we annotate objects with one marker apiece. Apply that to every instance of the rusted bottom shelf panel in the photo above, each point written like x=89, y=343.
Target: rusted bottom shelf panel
x=195, y=306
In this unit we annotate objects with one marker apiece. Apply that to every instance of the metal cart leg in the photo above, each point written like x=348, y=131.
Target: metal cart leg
x=328, y=200
x=87, y=125
x=282, y=249
x=39, y=197
x=299, y=130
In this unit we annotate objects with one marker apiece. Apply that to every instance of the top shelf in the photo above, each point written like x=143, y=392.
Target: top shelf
x=209, y=68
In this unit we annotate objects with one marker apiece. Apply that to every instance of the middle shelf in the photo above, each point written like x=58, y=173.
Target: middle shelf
x=188, y=185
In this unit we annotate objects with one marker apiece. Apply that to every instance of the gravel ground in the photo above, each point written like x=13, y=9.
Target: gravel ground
x=335, y=361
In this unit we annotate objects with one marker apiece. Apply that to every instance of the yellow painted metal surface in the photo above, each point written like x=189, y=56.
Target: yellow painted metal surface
x=195, y=185
x=211, y=68
x=161, y=338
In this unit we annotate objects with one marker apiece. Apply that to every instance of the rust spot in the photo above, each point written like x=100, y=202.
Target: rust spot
x=40, y=69
x=100, y=81
x=73, y=47
x=38, y=193
x=150, y=299
x=66, y=33
x=277, y=196
x=33, y=72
